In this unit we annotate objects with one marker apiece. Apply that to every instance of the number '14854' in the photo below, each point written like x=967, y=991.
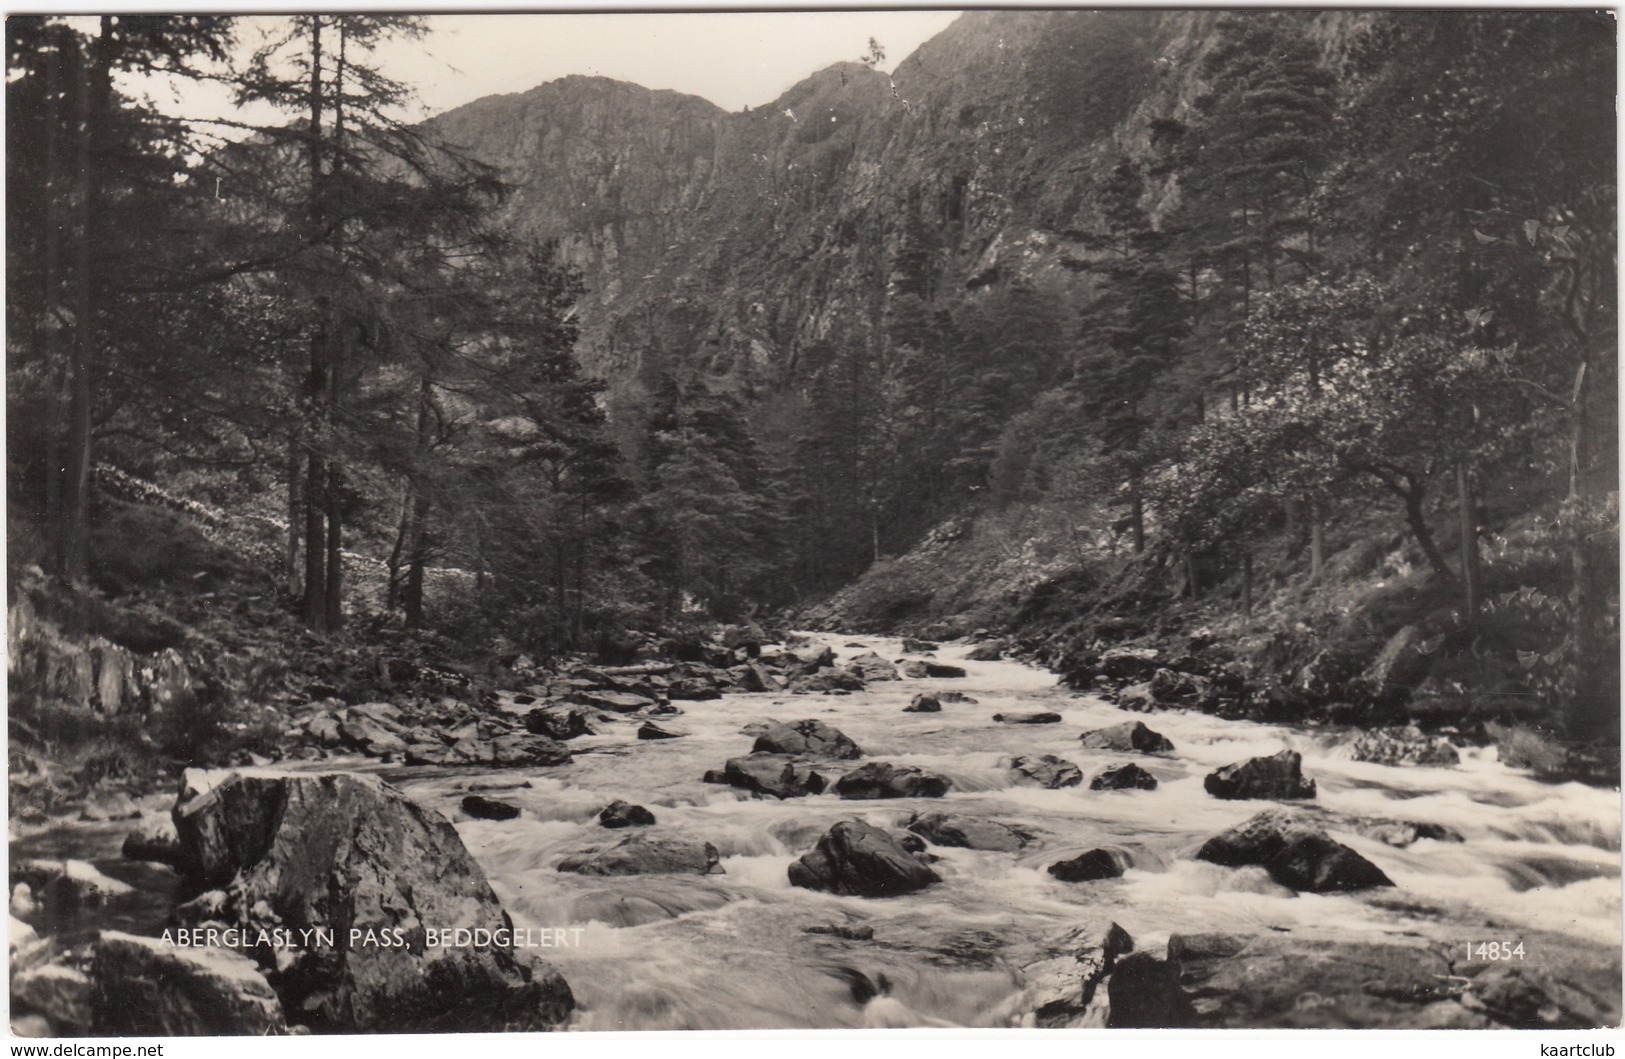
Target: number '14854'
x=1494, y=950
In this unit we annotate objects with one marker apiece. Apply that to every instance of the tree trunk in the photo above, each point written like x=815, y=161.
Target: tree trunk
x=290, y=551
x=1317, y=541
x=1414, y=497
x=316, y=383
x=1247, y=583
x=56, y=378
x=1469, y=541
x=315, y=606
x=1191, y=582
x=333, y=594
x=1137, y=513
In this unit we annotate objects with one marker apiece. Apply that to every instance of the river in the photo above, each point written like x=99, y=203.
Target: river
x=730, y=951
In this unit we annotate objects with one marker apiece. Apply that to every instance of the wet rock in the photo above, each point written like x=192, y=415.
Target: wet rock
x=1125, y=777
x=57, y=991
x=776, y=775
x=1144, y=994
x=624, y=814
x=330, y=850
x=153, y=838
x=1292, y=981
x=1046, y=770
x=855, y=858
x=1295, y=853
x=499, y=785
x=756, y=677
x=1087, y=867
x=881, y=779
x=483, y=808
x=1173, y=688
x=1404, y=746
x=1027, y=718
x=932, y=670
x=1138, y=698
x=841, y=930
x=871, y=667
x=613, y=700
x=947, y=697
x=60, y=888
x=559, y=722
x=367, y=735
x=1527, y=998
x=1128, y=663
x=145, y=987
x=801, y=661
x=968, y=832
x=913, y=646
x=811, y=738
x=987, y=652
x=1062, y=987
x=1277, y=776
x=1403, y=833
x=833, y=681
x=651, y=730
x=924, y=704
x=693, y=689
x=1127, y=737
x=643, y=854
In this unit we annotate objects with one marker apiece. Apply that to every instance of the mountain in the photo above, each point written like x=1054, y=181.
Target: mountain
x=743, y=238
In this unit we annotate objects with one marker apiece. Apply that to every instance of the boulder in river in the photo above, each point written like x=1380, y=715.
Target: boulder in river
x=1404, y=746
x=1027, y=718
x=1138, y=698
x=1062, y=986
x=624, y=814
x=913, y=646
x=1046, y=770
x=871, y=667
x=949, y=697
x=649, y=730
x=924, y=703
x=328, y=850
x=1125, y=777
x=931, y=670
x=991, y=651
x=482, y=808
x=559, y=722
x=1127, y=737
x=146, y=987
x=645, y=854
x=881, y=779
x=968, y=832
x=1087, y=867
x=1277, y=776
x=800, y=661
x=1295, y=853
x=859, y=859
x=835, y=680
x=777, y=775
x=613, y=700
x=811, y=738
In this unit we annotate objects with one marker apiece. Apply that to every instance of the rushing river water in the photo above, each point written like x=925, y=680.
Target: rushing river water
x=730, y=951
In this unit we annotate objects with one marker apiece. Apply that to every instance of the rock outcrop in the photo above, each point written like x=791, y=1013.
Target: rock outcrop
x=328, y=851
x=146, y=987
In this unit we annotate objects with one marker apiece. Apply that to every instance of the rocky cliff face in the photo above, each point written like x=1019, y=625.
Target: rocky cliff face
x=739, y=239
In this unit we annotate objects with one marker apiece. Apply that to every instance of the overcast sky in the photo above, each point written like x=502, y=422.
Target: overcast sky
x=734, y=59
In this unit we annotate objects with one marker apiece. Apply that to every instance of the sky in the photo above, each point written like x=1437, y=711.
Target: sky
x=734, y=59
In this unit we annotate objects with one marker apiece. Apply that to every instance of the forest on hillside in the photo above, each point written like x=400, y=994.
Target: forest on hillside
x=1324, y=275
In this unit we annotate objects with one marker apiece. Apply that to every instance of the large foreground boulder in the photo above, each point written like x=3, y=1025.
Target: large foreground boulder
x=645, y=854
x=1295, y=853
x=147, y=987
x=331, y=851
x=968, y=832
x=859, y=859
x=812, y=738
x=1277, y=776
x=1061, y=987
x=881, y=779
x=1045, y=770
x=1127, y=737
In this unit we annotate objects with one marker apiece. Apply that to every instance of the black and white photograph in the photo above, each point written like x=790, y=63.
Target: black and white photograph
x=847, y=520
